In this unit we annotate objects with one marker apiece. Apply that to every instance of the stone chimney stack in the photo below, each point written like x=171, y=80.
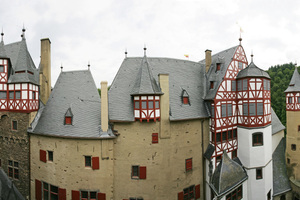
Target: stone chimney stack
x=164, y=106
x=45, y=70
x=207, y=60
x=104, y=106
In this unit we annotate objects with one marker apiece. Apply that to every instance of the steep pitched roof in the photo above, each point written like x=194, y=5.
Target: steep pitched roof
x=281, y=182
x=145, y=83
x=8, y=190
x=294, y=85
x=183, y=74
x=21, y=62
x=75, y=90
x=227, y=175
x=2, y=50
x=252, y=71
x=223, y=57
x=276, y=123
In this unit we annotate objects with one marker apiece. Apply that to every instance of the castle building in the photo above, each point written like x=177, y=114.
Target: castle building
x=293, y=128
x=19, y=102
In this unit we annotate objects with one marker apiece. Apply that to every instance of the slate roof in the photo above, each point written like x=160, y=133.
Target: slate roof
x=209, y=151
x=281, y=182
x=8, y=190
x=276, y=123
x=223, y=57
x=227, y=175
x=75, y=90
x=294, y=85
x=2, y=50
x=145, y=83
x=252, y=71
x=183, y=74
x=21, y=61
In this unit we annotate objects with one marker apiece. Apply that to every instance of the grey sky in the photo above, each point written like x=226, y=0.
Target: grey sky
x=99, y=31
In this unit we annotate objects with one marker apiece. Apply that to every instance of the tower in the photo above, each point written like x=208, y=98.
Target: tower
x=255, y=130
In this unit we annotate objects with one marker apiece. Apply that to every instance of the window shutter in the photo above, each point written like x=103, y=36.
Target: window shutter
x=185, y=100
x=143, y=172
x=189, y=164
x=154, y=138
x=180, y=196
x=68, y=120
x=62, y=194
x=95, y=162
x=38, y=190
x=43, y=155
x=197, y=191
x=101, y=196
x=75, y=195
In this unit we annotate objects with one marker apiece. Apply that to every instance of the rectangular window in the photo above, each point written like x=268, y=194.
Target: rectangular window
x=189, y=164
x=298, y=99
x=3, y=95
x=252, y=109
x=134, y=198
x=135, y=171
x=290, y=99
x=288, y=161
x=257, y=139
x=138, y=172
x=211, y=85
x=218, y=67
x=240, y=65
x=235, y=133
x=298, y=127
x=234, y=154
x=1, y=68
x=50, y=191
x=233, y=85
x=68, y=120
x=212, y=111
x=245, y=109
x=18, y=94
x=265, y=84
x=154, y=138
x=33, y=95
x=237, y=194
x=260, y=108
x=88, y=161
x=14, y=125
x=293, y=147
x=245, y=84
x=88, y=195
x=218, y=137
x=185, y=100
x=156, y=104
x=259, y=174
x=144, y=104
x=11, y=95
x=13, y=169
x=189, y=193
x=50, y=156
x=137, y=105
x=223, y=112
x=224, y=136
x=229, y=110
x=239, y=85
x=150, y=104
x=229, y=134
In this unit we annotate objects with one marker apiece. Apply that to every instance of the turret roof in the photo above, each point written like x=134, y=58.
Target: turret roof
x=294, y=85
x=252, y=71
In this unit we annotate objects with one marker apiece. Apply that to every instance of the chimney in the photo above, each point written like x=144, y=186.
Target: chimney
x=45, y=70
x=104, y=106
x=207, y=60
x=164, y=106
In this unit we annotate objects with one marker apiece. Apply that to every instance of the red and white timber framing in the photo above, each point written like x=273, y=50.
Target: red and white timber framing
x=293, y=101
x=3, y=74
x=226, y=95
x=147, y=108
x=255, y=94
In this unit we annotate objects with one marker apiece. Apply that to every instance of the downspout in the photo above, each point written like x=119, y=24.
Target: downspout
x=203, y=161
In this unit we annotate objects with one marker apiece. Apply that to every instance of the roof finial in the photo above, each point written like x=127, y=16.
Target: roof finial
x=125, y=52
x=252, y=56
x=61, y=67
x=145, y=49
x=89, y=65
x=2, y=34
x=23, y=30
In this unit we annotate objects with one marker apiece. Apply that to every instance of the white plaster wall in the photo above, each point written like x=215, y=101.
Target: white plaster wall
x=276, y=138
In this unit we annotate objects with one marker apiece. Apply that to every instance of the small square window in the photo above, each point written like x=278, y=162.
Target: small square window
x=293, y=147
x=88, y=161
x=258, y=173
x=257, y=139
x=50, y=156
x=189, y=164
x=14, y=125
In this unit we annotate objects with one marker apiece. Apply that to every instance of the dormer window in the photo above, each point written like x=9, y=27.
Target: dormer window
x=68, y=117
x=211, y=85
x=147, y=108
x=185, y=97
x=218, y=67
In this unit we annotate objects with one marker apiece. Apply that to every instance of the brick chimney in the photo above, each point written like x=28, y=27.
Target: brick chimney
x=207, y=60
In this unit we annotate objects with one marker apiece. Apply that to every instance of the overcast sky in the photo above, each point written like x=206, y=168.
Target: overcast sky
x=98, y=31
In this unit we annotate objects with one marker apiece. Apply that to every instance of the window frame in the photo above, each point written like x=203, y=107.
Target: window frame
x=189, y=193
x=218, y=67
x=50, y=156
x=86, y=163
x=49, y=190
x=189, y=164
x=154, y=138
x=290, y=99
x=257, y=139
x=240, y=65
x=13, y=169
x=236, y=194
x=14, y=125
x=137, y=175
x=233, y=85
x=2, y=94
x=259, y=173
x=88, y=195
x=2, y=69
x=293, y=147
x=211, y=85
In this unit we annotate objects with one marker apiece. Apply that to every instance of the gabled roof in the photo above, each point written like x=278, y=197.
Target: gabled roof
x=294, y=85
x=223, y=57
x=8, y=190
x=183, y=74
x=276, y=123
x=75, y=90
x=21, y=61
x=145, y=84
x=252, y=71
x=227, y=175
x=281, y=182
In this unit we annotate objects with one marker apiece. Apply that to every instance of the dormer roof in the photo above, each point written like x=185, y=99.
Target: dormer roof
x=227, y=175
x=294, y=85
x=252, y=71
x=145, y=84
